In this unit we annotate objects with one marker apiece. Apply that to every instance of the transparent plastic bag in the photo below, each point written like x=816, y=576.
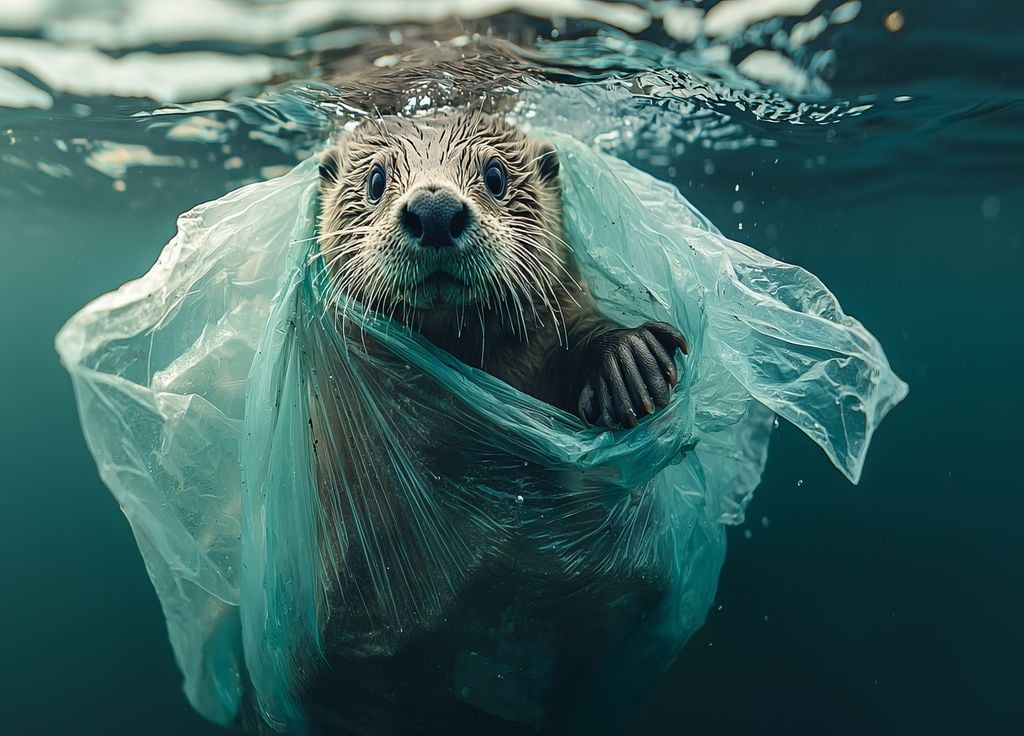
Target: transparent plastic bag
x=215, y=389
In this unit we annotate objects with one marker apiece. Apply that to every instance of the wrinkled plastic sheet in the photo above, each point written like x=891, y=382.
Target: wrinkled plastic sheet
x=196, y=386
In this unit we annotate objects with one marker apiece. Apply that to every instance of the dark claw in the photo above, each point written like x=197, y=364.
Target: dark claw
x=604, y=402
x=620, y=396
x=639, y=396
x=668, y=336
x=630, y=373
x=663, y=357
x=651, y=376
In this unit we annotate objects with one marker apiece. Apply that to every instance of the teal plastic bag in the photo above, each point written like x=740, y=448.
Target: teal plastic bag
x=197, y=386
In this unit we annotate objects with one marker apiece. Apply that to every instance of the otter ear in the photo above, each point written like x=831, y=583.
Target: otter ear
x=329, y=167
x=547, y=162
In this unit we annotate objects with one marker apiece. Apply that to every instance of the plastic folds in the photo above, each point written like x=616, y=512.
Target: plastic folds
x=218, y=395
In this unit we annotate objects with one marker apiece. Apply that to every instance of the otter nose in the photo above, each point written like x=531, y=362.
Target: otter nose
x=436, y=218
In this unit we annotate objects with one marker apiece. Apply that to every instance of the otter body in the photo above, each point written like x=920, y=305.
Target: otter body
x=452, y=225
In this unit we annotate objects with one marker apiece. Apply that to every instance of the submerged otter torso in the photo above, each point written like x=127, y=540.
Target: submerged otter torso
x=455, y=607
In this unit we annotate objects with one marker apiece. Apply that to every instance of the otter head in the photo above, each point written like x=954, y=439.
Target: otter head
x=423, y=218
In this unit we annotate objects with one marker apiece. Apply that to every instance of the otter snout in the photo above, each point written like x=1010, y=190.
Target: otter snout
x=435, y=218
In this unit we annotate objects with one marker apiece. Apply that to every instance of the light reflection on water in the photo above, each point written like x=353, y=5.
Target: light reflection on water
x=654, y=82
x=677, y=83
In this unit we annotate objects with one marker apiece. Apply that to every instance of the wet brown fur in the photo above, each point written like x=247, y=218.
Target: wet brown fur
x=523, y=313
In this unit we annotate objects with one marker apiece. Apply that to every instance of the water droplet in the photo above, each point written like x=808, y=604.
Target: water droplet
x=990, y=207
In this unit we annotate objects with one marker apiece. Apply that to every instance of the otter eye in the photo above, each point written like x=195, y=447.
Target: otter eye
x=496, y=178
x=375, y=184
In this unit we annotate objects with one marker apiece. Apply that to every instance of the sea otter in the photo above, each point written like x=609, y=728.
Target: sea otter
x=451, y=224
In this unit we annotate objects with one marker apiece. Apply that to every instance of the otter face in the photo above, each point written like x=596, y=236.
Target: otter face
x=443, y=213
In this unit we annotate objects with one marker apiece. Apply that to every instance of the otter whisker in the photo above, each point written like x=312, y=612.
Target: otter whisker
x=318, y=236
x=355, y=274
x=525, y=278
x=542, y=282
x=505, y=294
x=348, y=230
x=333, y=256
x=565, y=272
x=542, y=234
x=483, y=335
x=507, y=273
x=544, y=274
x=378, y=283
x=518, y=318
x=540, y=277
x=378, y=292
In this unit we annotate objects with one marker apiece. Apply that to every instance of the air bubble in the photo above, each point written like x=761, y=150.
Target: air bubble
x=990, y=207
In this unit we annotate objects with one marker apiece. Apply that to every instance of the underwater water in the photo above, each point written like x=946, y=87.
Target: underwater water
x=882, y=152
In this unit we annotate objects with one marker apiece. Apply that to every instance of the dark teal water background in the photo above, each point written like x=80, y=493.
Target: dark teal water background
x=892, y=607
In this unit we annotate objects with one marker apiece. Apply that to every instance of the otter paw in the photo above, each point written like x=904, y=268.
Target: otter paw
x=630, y=373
